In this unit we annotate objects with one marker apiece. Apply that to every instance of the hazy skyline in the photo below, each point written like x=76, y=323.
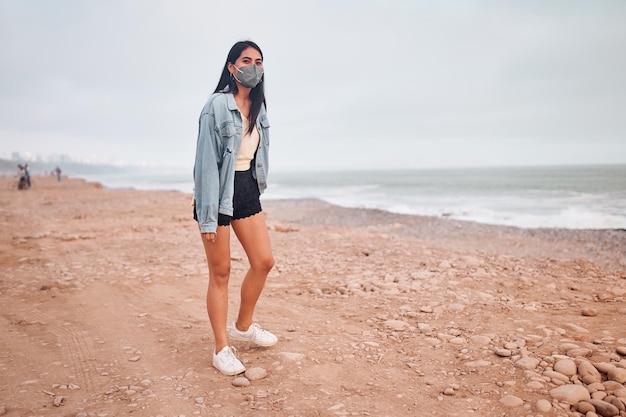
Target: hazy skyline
x=349, y=84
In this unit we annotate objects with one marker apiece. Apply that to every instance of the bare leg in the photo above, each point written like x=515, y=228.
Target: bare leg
x=252, y=233
x=218, y=260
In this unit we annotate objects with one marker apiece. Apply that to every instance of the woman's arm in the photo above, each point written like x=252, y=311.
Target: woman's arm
x=206, y=174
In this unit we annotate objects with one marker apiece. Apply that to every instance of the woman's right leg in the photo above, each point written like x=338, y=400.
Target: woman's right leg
x=218, y=260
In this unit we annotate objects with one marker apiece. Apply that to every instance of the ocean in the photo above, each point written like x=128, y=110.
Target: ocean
x=570, y=197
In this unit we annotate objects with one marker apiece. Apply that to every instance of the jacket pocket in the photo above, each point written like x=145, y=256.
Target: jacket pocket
x=227, y=132
x=265, y=125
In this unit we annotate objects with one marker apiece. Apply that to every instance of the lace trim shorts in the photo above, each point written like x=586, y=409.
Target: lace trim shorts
x=246, y=199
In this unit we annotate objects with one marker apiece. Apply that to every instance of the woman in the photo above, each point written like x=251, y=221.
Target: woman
x=230, y=173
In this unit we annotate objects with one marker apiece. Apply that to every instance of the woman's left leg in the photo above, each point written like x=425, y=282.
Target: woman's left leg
x=254, y=237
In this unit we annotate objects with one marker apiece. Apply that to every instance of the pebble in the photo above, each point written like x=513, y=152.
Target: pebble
x=426, y=309
x=589, y=312
x=480, y=340
x=289, y=356
x=585, y=407
x=57, y=401
x=511, y=401
x=570, y=393
x=617, y=375
x=527, y=362
x=134, y=358
x=505, y=353
x=604, y=409
x=543, y=406
x=583, y=352
x=397, y=325
x=478, y=364
x=566, y=367
x=241, y=381
x=254, y=374
x=3, y=410
x=588, y=373
x=556, y=376
x=621, y=350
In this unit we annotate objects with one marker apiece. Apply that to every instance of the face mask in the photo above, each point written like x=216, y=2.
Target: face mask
x=249, y=76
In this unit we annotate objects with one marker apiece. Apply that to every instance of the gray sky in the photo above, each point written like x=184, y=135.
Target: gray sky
x=350, y=84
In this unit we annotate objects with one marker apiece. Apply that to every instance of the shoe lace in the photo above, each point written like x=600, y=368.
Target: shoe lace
x=231, y=354
x=258, y=330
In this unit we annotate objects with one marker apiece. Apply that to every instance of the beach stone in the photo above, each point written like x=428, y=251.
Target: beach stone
x=585, y=407
x=504, y=353
x=565, y=347
x=527, y=362
x=617, y=375
x=588, y=373
x=478, y=364
x=556, y=375
x=604, y=367
x=570, y=393
x=536, y=385
x=621, y=350
x=599, y=395
x=595, y=386
x=589, y=312
x=566, y=367
x=511, y=401
x=290, y=356
x=582, y=352
x=397, y=325
x=254, y=374
x=612, y=386
x=480, y=340
x=241, y=381
x=619, y=403
x=543, y=406
x=603, y=408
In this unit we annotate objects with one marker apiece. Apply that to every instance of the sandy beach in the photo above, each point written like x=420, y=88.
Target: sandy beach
x=102, y=313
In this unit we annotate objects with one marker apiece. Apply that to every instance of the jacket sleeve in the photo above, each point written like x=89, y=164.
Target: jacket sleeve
x=206, y=174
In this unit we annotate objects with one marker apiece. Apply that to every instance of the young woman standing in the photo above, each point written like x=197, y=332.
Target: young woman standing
x=230, y=173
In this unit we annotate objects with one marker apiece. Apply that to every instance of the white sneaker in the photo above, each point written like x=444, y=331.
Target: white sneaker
x=226, y=361
x=254, y=334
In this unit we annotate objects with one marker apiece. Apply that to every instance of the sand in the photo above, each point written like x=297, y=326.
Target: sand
x=102, y=310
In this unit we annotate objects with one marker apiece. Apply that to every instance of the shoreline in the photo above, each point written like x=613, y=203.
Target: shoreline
x=603, y=246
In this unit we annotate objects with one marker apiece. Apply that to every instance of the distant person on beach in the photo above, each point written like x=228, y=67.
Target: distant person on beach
x=57, y=171
x=24, y=177
x=230, y=173
x=27, y=175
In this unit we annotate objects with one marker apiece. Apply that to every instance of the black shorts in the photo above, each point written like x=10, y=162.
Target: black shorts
x=246, y=199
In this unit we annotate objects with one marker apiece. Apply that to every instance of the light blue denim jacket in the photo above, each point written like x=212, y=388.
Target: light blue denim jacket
x=219, y=138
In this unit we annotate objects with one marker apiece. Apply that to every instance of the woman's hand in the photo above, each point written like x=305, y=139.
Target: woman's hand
x=210, y=237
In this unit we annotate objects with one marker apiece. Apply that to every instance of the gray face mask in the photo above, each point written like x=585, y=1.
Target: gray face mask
x=249, y=76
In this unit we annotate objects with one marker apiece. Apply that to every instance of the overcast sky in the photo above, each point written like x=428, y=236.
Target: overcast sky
x=349, y=83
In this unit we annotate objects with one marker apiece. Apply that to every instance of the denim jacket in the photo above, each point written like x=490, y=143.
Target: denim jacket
x=219, y=138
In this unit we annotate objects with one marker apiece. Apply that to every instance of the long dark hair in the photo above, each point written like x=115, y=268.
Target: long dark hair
x=257, y=94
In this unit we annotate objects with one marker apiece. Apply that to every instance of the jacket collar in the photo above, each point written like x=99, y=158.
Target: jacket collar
x=230, y=98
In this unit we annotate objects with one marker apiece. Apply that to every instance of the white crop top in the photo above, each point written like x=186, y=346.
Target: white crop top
x=249, y=145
